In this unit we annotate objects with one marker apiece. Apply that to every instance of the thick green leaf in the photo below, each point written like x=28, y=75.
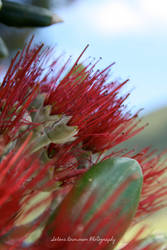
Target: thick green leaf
x=100, y=206
x=21, y=15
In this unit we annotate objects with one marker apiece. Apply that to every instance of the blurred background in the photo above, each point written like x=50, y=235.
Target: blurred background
x=130, y=33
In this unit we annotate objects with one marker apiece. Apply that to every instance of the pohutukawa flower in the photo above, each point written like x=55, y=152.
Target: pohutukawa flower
x=71, y=117
x=17, y=91
x=19, y=176
x=154, y=193
x=94, y=105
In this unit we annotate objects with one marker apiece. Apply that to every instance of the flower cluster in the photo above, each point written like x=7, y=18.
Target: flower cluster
x=58, y=130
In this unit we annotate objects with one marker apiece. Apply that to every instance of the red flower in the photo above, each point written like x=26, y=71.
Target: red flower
x=154, y=191
x=88, y=107
x=17, y=91
x=16, y=182
x=94, y=104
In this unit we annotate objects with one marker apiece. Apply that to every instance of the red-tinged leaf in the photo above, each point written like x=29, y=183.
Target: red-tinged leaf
x=100, y=206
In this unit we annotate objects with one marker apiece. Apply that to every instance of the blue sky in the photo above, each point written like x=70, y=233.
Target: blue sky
x=132, y=33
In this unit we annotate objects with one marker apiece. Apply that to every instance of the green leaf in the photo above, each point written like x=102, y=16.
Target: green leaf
x=101, y=205
x=21, y=15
